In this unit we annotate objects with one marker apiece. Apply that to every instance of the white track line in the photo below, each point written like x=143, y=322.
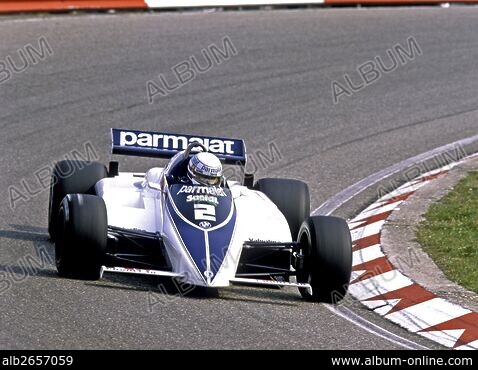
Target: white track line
x=370, y=327
x=344, y=196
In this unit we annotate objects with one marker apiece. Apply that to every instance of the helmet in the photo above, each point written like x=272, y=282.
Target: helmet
x=205, y=168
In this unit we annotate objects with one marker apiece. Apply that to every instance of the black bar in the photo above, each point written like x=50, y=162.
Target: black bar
x=145, y=359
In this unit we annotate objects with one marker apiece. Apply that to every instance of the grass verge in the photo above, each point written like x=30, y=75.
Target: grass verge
x=449, y=233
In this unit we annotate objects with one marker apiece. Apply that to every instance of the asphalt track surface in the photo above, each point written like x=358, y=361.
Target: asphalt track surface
x=276, y=89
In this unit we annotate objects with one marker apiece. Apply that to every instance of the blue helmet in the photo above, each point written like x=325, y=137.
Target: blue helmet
x=205, y=168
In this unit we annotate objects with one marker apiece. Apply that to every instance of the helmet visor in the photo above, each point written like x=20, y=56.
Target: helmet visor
x=207, y=180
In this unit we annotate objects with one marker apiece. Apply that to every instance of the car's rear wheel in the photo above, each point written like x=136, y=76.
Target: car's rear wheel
x=291, y=197
x=71, y=177
x=326, y=247
x=81, y=238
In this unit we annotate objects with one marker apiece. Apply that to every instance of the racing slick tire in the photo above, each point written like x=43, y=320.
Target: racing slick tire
x=291, y=197
x=71, y=177
x=81, y=239
x=326, y=247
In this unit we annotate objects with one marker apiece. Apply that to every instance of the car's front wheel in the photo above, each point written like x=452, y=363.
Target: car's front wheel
x=80, y=245
x=326, y=264
x=71, y=177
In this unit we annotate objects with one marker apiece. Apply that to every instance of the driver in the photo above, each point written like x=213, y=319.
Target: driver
x=205, y=168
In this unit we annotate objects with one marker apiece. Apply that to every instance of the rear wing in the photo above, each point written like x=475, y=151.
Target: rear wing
x=166, y=145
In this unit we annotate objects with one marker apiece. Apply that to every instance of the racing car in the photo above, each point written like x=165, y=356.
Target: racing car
x=186, y=221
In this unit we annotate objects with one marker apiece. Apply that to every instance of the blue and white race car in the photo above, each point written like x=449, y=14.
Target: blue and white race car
x=187, y=221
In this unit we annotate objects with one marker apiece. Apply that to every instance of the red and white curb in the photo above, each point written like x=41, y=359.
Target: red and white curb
x=381, y=287
x=12, y=6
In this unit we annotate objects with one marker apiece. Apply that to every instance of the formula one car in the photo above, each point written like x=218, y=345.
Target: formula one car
x=207, y=234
